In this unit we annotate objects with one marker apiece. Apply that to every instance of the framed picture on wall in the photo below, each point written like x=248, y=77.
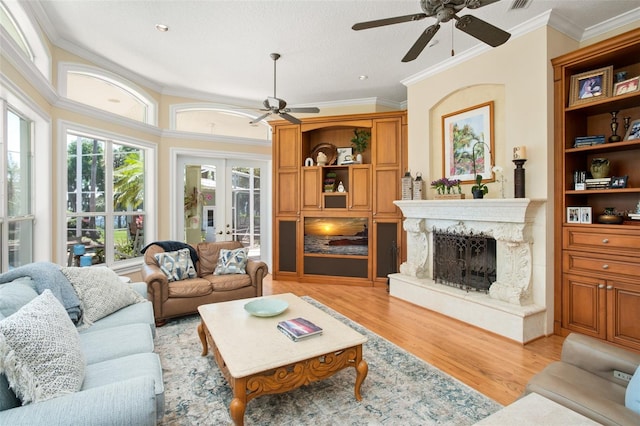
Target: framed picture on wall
x=590, y=86
x=467, y=143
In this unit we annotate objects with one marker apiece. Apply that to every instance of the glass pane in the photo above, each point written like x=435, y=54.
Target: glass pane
x=85, y=177
x=20, y=243
x=18, y=165
x=128, y=179
x=7, y=22
x=128, y=236
x=85, y=236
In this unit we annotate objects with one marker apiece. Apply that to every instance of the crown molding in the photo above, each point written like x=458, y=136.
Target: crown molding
x=611, y=24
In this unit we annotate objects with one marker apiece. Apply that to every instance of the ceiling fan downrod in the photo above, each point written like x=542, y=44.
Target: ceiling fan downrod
x=275, y=57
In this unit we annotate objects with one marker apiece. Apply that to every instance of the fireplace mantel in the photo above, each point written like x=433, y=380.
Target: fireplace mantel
x=511, y=223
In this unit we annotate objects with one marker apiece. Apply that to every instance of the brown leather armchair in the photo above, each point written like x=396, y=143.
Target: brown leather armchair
x=178, y=298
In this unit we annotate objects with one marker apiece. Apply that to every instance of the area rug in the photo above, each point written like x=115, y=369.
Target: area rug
x=400, y=389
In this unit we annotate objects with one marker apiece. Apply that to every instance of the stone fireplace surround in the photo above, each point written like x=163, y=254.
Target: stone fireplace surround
x=509, y=309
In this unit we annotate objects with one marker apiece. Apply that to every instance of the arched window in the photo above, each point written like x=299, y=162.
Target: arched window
x=219, y=120
x=20, y=31
x=106, y=91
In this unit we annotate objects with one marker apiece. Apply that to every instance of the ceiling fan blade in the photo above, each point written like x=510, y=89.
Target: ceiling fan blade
x=421, y=43
x=262, y=117
x=306, y=110
x=482, y=30
x=388, y=21
x=290, y=118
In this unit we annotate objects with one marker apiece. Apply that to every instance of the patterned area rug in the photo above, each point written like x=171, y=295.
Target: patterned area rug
x=399, y=389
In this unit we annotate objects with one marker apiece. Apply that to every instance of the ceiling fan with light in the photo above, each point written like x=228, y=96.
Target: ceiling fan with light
x=275, y=105
x=444, y=11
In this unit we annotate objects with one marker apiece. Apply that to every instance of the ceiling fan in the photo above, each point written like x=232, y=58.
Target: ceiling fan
x=275, y=105
x=444, y=11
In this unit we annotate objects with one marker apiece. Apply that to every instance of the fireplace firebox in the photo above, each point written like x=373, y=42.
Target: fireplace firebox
x=465, y=261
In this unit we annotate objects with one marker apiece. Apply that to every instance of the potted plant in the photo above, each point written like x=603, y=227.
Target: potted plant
x=479, y=189
x=359, y=142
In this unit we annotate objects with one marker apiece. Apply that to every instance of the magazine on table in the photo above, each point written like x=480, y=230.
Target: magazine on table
x=298, y=328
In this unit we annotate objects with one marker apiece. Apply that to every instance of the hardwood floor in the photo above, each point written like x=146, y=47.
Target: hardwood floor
x=495, y=366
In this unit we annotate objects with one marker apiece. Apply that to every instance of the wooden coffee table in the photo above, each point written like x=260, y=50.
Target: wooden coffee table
x=257, y=359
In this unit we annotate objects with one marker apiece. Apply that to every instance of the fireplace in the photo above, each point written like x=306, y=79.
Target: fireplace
x=464, y=261
x=512, y=298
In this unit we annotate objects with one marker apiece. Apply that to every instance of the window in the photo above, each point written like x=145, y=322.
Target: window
x=17, y=214
x=106, y=91
x=8, y=23
x=106, y=199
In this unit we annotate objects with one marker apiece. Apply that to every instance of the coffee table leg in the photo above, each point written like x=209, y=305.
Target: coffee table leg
x=362, y=368
x=239, y=401
x=203, y=339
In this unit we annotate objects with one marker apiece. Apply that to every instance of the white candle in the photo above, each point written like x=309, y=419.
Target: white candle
x=520, y=152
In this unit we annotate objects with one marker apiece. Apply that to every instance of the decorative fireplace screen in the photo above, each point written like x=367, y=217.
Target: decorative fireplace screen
x=465, y=261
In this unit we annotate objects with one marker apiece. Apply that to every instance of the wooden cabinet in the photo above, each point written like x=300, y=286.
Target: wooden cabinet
x=596, y=289
x=369, y=191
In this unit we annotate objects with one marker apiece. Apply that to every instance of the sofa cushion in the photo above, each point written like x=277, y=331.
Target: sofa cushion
x=176, y=265
x=228, y=282
x=116, y=342
x=40, y=350
x=101, y=292
x=231, y=262
x=190, y=288
x=632, y=395
x=138, y=313
x=14, y=295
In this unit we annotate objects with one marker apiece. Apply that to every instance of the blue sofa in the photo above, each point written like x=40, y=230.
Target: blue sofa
x=122, y=382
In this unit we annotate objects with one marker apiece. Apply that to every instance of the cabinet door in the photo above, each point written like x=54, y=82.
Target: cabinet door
x=287, y=162
x=386, y=248
x=360, y=190
x=386, y=146
x=311, y=188
x=623, y=308
x=584, y=305
x=286, y=244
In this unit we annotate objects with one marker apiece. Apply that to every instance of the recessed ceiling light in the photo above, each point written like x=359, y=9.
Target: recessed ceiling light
x=363, y=77
x=162, y=28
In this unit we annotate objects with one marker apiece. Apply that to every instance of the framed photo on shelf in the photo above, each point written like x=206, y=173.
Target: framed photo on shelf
x=590, y=86
x=573, y=214
x=343, y=153
x=634, y=131
x=619, y=181
x=626, y=86
x=585, y=214
x=467, y=143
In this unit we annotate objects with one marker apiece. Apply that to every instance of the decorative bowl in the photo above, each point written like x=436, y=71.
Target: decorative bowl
x=266, y=307
x=610, y=219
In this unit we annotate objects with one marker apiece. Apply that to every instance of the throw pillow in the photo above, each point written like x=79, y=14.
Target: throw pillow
x=100, y=291
x=14, y=295
x=231, y=262
x=632, y=395
x=176, y=265
x=40, y=351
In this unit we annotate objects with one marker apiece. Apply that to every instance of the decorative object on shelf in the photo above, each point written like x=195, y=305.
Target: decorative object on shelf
x=519, y=158
x=359, y=142
x=330, y=182
x=445, y=186
x=633, y=132
x=341, y=187
x=627, y=86
x=610, y=216
x=417, y=187
x=619, y=181
x=407, y=182
x=462, y=131
x=344, y=156
x=498, y=172
x=621, y=76
x=614, y=127
x=479, y=189
x=573, y=214
x=627, y=123
x=585, y=214
x=579, y=180
x=599, y=168
x=322, y=159
x=308, y=162
x=327, y=149
x=590, y=86
x=581, y=141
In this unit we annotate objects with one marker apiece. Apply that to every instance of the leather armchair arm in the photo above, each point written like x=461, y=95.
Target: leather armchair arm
x=157, y=285
x=598, y=357
x=257, y=270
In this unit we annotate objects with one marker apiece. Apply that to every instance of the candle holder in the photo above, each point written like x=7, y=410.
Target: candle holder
x=518, y=178
x=614, y=127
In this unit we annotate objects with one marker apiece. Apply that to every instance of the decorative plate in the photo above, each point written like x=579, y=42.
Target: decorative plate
x=328, y=149
x=266, y=307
